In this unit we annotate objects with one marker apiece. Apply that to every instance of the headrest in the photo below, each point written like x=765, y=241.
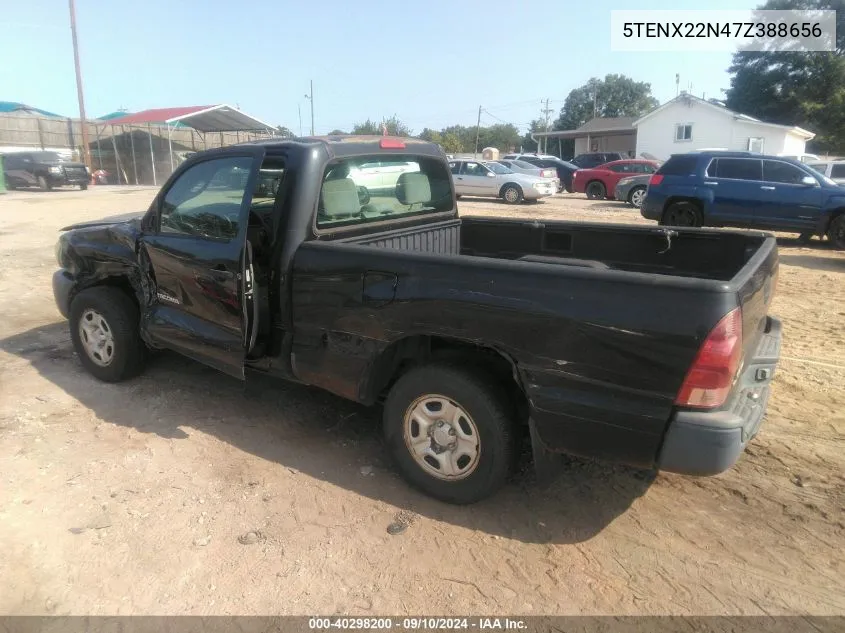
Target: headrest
x=413, y=188
x=340, y=197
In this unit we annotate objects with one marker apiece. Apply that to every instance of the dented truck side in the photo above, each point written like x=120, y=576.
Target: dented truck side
x=636, y=345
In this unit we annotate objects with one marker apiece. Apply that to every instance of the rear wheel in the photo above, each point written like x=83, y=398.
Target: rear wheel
x=104, y=328
x=512, y=194
x=682, y=213
x=636, y=196
x=43, y=184
x=836, y=233
x=450, y=432
x=596, y=191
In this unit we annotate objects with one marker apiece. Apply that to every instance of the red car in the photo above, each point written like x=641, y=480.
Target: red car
x=600, y=182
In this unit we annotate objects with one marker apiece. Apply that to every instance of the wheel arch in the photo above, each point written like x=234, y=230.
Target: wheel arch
x=408, y=352
x=510, y=184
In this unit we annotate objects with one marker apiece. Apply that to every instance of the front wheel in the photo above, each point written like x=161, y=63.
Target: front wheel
x=836, y=233
x=449, y=433
x=637, y=196
x=512, y=194
x=683, y=214
x=104, y=328
x=596, y=191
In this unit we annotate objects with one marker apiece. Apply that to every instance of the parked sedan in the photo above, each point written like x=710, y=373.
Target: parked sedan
x=632, y=189
x=600, y=182
x=523, y=167
x=564, y=170
x=490, y=179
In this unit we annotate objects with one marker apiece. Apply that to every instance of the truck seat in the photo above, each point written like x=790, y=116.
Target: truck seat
x=413, y=188
x=339, y=198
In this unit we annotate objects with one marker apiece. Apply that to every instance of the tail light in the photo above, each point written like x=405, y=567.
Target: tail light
x=655, y=179
x=708, y=382
x=391, y=143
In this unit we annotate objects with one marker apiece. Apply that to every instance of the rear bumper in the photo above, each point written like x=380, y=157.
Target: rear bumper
x=62, y=285
x=708, y=443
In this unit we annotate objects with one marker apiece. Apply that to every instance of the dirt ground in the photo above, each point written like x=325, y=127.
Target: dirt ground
x=131, y=498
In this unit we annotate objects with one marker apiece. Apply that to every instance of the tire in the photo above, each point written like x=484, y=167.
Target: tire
x=596, y=191
x=43, y=184
x=805, y=238
x=512, y=194
x=635, y=197
x=485, y=414
x=128, y=352
x=836, y=232
x=83, y=186
x=683, y=213
x=457, y=196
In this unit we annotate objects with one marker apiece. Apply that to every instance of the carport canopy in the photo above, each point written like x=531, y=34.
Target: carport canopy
x=213, y=118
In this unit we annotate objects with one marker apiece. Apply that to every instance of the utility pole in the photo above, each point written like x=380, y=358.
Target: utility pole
x=86, y=154
x=546, y=112
x=477, y=133
x=299, y=112
x=311, y=99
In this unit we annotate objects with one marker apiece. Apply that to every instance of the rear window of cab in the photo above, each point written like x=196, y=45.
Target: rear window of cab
x=375, y=188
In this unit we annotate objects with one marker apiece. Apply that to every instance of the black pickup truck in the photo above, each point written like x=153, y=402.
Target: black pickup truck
x=319, y=260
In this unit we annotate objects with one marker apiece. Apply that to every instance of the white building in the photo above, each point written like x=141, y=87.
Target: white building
x=687, y=123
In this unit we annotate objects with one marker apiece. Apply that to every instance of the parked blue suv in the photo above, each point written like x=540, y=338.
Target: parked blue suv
x=746, y=190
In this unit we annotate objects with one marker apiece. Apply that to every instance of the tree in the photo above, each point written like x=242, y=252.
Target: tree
x=451, y=144
x=795, y=88
x=528, y=144
x=283, y=132
x=367, y=128
x=395, y=127
x=613, y=96
x=336, y=133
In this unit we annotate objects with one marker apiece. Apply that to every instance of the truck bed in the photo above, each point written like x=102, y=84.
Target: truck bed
x=601, y=349
x=714, y=255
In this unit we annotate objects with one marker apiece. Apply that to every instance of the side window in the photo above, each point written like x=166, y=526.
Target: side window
x=507, y=163
x=645, y=168
x=11, y=162
x=205, y=201
x=837, y=171
x=776, y=171
x=455, y=168
x=623, y=169
x=740, y=169
x=712, y=168
x=474, y=169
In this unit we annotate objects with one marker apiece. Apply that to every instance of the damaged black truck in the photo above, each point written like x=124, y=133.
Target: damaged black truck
x=342, y=263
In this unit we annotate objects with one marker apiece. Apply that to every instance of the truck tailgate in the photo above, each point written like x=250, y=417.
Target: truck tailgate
x=755, y=284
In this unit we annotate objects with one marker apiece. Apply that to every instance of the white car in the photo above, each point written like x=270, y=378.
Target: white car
x=492, y=179
x=804, y=158
x=380, y=177
x=833, y=169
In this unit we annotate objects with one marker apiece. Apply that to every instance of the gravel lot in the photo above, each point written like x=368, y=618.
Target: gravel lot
x=131, y=498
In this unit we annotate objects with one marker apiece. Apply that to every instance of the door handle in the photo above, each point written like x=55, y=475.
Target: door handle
x=712, y=184
x=767, y=188
x=460, y=178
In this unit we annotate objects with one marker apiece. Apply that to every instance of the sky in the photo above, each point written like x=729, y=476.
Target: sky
x=430, y=63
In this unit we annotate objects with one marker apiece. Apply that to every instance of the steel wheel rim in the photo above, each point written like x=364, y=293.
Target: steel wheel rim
x=637, y=197
x=97, y=338
x=511, y=194
x=441, y=437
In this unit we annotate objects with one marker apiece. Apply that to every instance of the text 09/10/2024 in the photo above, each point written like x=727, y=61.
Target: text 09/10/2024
x=729, y=31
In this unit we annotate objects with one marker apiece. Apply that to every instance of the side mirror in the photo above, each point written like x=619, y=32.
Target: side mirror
x=490, y=174
x=809, y=181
